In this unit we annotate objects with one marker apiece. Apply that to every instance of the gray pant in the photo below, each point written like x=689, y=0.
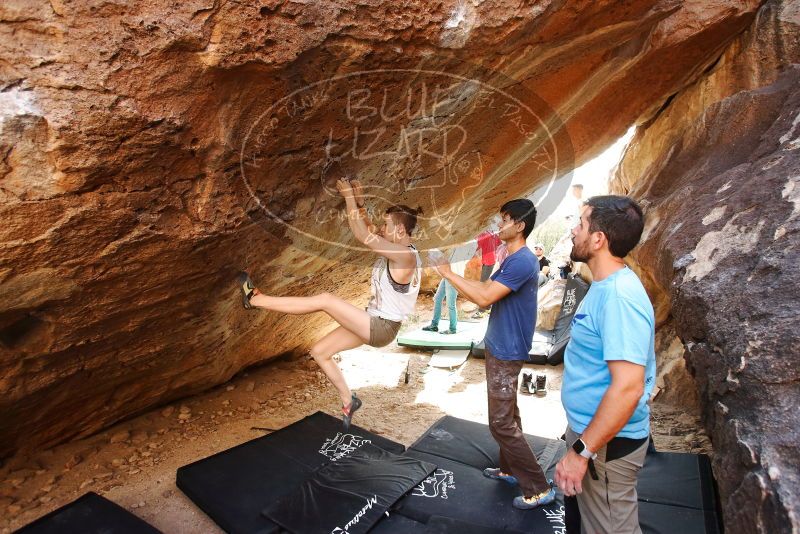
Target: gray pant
x=609, y=504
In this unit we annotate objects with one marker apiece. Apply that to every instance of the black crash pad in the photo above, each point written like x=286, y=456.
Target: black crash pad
x=681, y=484
x=678, y=479
x=233, y=486
x=472, y=444
x=89, y=514
x=392, y=523
x=448, y=525
x=349, y=495
x=461, y=492
x=664, y=519
x=399, y=524
x=659, y=519
x=319, y=438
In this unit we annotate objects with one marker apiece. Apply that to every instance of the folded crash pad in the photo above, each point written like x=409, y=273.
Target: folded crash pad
x=233, y=486
x=349, y=495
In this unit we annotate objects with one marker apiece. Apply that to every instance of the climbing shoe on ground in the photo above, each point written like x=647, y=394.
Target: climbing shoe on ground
x=546, y=498
x=430, y=328
x=496, y=474
x=448, y=331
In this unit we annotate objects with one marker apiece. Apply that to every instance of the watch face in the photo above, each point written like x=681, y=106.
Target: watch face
x=578, y=446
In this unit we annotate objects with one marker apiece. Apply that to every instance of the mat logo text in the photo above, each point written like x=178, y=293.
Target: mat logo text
x=341, y=445
x=436, y=485
x=356, y=518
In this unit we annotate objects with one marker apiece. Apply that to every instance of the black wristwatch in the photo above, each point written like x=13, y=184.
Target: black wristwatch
x=580, y=447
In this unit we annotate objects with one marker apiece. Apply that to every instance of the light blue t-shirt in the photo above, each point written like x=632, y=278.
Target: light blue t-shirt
x=615, y=321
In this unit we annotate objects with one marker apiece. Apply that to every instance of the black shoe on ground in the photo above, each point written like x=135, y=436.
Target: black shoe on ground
x=448, y=331
x=527, y=382
x=541, y=385
x=430, y=328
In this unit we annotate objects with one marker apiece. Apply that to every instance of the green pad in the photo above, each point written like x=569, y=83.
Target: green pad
x=466, y=334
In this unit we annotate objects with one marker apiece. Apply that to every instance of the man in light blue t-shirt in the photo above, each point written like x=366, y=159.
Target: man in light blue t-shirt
x=512, y=294
x=609, y=371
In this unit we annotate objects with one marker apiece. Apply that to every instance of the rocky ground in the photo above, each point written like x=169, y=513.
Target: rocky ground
x=134, y=462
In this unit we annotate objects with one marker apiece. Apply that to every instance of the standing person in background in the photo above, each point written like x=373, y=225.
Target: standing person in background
x=609, y=371
x=488, y=242
x=512, y=290
x=446, y=291
x=544, y=263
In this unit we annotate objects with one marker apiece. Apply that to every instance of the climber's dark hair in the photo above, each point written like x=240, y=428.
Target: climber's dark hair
x=521, y=210
x=402, y=214
x=620, y=219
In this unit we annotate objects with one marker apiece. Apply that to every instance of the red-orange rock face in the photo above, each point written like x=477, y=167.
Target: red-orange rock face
x=719, y=172
x=150, y=151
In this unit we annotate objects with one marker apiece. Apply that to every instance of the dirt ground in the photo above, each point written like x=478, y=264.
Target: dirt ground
x=134, y=463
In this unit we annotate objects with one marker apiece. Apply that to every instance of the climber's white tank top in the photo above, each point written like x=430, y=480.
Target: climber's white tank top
x=389, y=299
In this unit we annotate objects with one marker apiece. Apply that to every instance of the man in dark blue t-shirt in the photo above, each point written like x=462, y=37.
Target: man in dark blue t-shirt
x=511, y=292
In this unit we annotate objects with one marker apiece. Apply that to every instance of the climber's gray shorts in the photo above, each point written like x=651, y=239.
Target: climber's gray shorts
x=382, y=331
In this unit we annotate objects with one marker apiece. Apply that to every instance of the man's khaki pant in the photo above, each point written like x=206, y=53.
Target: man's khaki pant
x=609, y=504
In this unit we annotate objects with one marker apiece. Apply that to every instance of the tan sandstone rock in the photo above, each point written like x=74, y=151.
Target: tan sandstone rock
x=718, y=171
x=151, y=150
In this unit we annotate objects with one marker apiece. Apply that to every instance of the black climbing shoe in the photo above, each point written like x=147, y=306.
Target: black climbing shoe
x=430, y=328
x=448, y=331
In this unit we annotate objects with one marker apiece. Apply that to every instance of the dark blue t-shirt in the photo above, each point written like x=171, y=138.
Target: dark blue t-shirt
x=513, y=317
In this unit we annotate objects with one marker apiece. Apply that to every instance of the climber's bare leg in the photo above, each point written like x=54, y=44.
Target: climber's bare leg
x=323, y=351
x=351, y=318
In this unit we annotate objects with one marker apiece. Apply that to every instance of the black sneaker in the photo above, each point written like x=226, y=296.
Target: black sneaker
x=527, y=382
x=541, y=385
x=430, y=328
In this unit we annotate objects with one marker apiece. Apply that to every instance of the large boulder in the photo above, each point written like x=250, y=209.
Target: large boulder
x=150, y=150
x=548, y=304
x=718, y=170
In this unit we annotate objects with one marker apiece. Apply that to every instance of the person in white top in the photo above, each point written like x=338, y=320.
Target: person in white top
x=395, y=282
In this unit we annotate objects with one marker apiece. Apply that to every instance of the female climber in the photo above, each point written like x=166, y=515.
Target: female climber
x=395, y=285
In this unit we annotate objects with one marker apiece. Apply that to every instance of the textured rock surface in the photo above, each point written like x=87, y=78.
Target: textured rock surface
x=719, y=171
x=549, y=303
x=124, y=213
